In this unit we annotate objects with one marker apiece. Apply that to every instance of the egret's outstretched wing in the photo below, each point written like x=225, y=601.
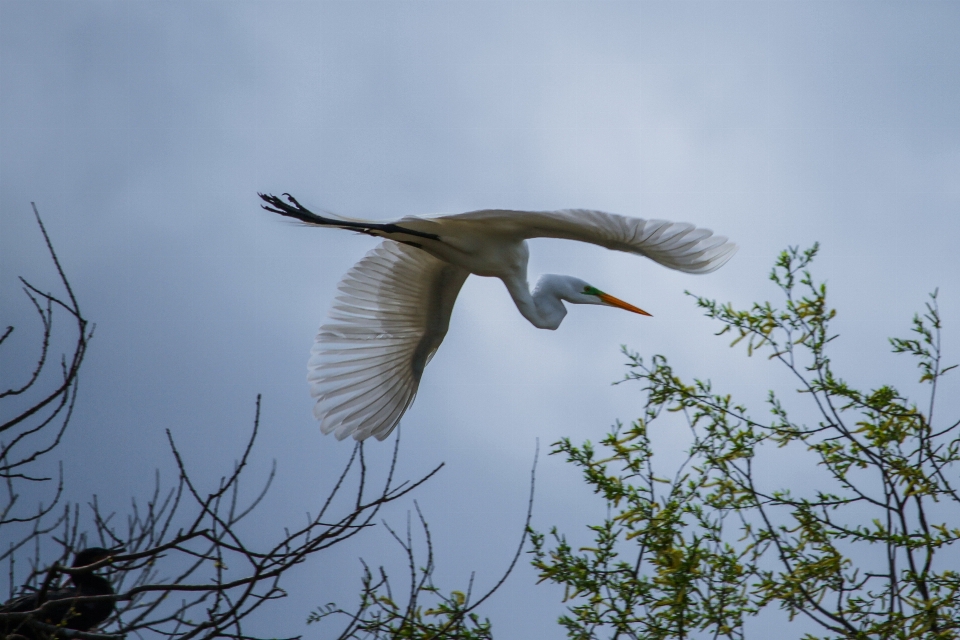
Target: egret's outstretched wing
x=677, y=245
x=392, y=313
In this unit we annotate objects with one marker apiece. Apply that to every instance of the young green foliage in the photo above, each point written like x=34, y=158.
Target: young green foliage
x=381, y=616
x=695, y=555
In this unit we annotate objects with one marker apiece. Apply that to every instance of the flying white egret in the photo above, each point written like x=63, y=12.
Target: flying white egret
x=394, y=305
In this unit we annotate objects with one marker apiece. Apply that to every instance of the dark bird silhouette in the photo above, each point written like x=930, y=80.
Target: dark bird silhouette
x=79, y=616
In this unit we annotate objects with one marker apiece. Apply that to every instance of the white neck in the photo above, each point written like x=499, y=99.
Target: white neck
x=544, y=307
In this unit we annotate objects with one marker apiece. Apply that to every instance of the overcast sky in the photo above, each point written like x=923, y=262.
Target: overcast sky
x=144, y=130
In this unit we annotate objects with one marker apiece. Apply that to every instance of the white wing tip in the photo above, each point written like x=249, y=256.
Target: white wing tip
x=341, y=430
x=725, y=251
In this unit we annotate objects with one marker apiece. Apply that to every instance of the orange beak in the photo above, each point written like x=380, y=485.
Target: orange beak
x=617, y=302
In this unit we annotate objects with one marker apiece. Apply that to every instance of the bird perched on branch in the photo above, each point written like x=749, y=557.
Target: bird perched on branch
x=394, y=305
x=61, y=610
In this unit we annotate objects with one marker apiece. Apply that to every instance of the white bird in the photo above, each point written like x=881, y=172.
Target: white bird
x=394, y=305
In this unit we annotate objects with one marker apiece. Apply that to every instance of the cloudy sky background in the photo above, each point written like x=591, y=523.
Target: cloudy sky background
x=143, y=132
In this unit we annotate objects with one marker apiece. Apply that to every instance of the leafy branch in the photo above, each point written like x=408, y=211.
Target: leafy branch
x=717, y=542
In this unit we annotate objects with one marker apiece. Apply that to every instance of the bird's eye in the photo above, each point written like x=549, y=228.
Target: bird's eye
x=591, y=291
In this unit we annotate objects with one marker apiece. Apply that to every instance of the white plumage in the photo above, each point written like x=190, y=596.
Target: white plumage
x=388, y=320
x=677, y=245
x=394, y=306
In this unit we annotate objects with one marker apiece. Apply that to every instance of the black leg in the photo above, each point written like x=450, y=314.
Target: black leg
x=293, y=209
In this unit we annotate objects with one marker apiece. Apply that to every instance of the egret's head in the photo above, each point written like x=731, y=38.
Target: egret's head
x=592, y=295
x=553, y=290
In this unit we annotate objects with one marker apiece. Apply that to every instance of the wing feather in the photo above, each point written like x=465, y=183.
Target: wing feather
x=389, y=318
x=677, y=245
